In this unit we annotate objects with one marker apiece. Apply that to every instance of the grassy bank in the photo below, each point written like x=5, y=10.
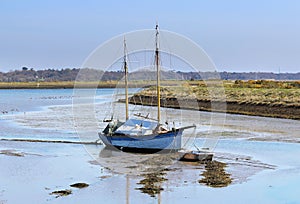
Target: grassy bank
x=261, y=98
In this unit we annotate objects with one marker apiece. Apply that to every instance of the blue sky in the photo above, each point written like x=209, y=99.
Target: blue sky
x=249, y=35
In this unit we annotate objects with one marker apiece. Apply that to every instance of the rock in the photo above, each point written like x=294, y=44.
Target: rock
x=79, y=185
x=61, y=192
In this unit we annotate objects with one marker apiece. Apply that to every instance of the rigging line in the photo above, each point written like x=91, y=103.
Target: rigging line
x=167, y=45
x=119, y=50
x=148, y=42
x=132, y=55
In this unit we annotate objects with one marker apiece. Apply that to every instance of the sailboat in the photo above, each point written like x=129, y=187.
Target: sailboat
x=140, y=133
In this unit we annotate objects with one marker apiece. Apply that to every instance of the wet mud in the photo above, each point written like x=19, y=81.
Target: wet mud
x=215, y=175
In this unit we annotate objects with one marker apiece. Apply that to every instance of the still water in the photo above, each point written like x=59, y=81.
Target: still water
x=261, y=153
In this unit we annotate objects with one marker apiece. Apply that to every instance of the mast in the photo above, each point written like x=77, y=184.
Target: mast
x=157, y=72
x=126, y=79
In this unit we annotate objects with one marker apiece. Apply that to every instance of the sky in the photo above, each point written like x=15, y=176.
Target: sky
x=238, y=35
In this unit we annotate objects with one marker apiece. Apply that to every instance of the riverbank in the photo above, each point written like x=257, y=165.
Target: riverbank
x=244, y=108
x=258, y=98
x=279, y=99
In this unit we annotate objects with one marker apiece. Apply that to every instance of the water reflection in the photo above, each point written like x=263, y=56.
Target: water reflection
x=134, y=163
x=215, y=175
x=151, y=167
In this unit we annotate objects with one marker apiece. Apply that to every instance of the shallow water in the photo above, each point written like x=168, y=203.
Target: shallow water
x=269, y=169
x=48, y=167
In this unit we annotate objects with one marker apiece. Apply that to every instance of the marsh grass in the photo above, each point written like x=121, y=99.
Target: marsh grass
x=247, y=92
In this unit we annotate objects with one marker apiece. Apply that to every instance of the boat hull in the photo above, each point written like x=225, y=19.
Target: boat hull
x=169, y=141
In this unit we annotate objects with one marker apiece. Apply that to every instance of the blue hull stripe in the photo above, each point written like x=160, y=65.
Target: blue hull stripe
x=169, y=140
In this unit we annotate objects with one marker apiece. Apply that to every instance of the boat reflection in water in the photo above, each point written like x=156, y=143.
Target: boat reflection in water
x=149, y=167
x=135, y=164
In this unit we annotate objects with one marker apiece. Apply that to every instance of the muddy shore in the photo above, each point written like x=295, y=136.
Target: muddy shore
x=255, y=109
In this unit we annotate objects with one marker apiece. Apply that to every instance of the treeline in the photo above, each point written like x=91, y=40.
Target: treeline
x=87, y=74
x=51, y=75
x=242, y=75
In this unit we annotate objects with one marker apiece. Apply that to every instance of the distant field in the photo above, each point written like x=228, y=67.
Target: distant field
x=56, y=85
x=36, y=85
x=72, y=84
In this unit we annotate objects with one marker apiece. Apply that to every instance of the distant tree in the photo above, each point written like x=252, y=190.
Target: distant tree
x=24, y=68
